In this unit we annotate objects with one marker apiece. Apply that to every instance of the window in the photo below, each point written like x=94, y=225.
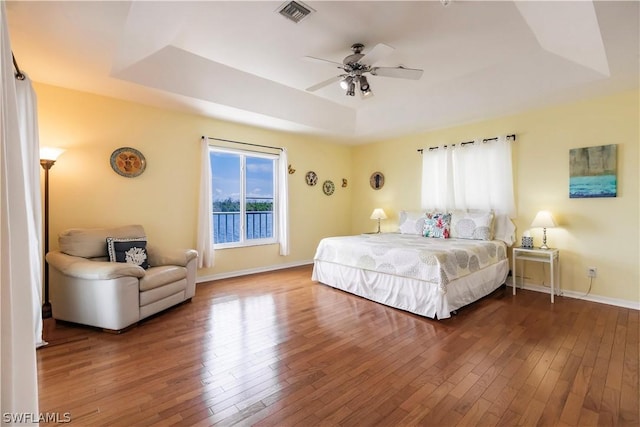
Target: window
x=245, y=199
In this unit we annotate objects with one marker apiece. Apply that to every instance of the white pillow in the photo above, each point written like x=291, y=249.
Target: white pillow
x=472, y=224
x=504, y=229
x=411, y=222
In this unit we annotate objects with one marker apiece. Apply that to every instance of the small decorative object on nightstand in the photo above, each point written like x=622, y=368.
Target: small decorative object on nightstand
x=527, y=242
x=543, y=220
x=378, y=214
x=550, y=256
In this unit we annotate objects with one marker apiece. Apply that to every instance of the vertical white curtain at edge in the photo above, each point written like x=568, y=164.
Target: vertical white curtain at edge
x=18, y=373
x=283, y=203
x=27, y=113
x=469, y=176
x=204, y=244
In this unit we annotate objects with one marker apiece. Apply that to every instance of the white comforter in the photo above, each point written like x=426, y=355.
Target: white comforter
x=433, y=260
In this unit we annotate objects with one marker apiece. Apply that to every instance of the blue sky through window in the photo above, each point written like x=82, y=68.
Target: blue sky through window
x=226, y=176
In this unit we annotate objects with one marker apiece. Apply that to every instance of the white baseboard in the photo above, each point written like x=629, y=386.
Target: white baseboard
x=238, y=273
x=634, y=305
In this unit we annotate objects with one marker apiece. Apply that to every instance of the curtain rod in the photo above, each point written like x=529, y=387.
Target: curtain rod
x=512, y=137
x=19, y=74
x=243, y=143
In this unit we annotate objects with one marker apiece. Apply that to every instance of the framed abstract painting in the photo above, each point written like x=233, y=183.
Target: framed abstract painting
x=593, y=172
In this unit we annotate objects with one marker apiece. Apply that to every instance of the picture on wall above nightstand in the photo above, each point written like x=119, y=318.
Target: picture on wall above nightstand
x=593, y=172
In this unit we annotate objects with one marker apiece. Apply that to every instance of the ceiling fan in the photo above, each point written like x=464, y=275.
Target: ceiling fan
x=356, y=65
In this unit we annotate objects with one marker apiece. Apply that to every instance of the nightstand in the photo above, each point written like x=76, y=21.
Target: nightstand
x=549, y=256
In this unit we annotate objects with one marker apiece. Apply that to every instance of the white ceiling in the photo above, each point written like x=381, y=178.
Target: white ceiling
x=241, y=61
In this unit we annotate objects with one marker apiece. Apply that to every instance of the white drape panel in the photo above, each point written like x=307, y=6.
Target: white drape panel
x=437, y=177
x=470, y=176
x=18, y=374
x=206, y=255
x=283, y=202
x=28, y=120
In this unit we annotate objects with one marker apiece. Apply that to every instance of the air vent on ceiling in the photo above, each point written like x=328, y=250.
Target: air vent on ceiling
x=294, y=11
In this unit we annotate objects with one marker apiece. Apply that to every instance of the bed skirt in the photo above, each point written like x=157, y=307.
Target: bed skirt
x=413, y=295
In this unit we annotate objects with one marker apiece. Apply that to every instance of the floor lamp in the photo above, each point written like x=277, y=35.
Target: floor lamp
x=48, y=157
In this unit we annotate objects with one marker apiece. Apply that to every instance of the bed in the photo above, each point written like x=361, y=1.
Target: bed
x=430, y=277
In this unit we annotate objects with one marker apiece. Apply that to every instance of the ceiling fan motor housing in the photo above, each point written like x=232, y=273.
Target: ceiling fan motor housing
x=353, y=59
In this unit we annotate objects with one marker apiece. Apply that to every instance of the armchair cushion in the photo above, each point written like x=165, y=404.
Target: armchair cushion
x=162, y=256
x=92, y=242
x=132, y=251
x=83, y=268
x=160, y=276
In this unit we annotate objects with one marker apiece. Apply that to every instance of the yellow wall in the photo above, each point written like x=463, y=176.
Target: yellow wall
x=600, y=232
x=86, y=192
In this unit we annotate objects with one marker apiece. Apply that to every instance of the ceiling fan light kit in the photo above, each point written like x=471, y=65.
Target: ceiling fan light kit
x=357, y=64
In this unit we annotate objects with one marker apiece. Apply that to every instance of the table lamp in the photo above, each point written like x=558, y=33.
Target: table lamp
x=543, y=220
x=378, y=214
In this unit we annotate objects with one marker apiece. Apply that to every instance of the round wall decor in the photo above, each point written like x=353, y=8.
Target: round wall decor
x=328, y=188
x=311, y=178
x=128, y=162
x=377, y=180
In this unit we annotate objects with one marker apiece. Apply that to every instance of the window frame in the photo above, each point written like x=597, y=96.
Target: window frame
x=244, y=241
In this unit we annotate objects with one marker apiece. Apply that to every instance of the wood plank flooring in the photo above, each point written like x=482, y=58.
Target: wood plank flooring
x=276, y=349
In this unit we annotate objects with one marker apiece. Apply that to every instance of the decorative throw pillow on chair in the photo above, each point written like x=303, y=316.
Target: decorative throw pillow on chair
x=131, y=250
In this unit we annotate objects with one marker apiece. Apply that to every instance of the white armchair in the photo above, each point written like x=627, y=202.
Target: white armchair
x=87, y=288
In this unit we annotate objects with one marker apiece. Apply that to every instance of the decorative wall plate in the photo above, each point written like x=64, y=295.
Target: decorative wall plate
x=311, y=178
x=328, y=188
x=128, y=162
x=377, y=180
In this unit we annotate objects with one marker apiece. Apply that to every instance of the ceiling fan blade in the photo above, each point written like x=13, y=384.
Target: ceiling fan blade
x=324, y=83
x=378, y=52
x=397, y=72
x=323, y=61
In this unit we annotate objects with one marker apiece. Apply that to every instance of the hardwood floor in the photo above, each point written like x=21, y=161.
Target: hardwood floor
x=278, y=349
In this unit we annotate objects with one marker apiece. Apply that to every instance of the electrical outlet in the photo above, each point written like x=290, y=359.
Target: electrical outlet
x=592, y=272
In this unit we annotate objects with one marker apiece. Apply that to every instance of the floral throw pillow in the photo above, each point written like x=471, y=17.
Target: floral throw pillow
x=132, y=251
x=437, y=225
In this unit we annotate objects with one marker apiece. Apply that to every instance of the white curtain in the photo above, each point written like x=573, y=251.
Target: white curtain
x=28, y=120
x=283, y=203
x=18, y=373
x=206, y=255
x=469, y=176
x=437, y=177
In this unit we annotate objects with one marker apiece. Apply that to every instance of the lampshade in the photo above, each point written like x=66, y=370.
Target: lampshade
x=378, y=213
x=50, y=153
x=543, y=219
